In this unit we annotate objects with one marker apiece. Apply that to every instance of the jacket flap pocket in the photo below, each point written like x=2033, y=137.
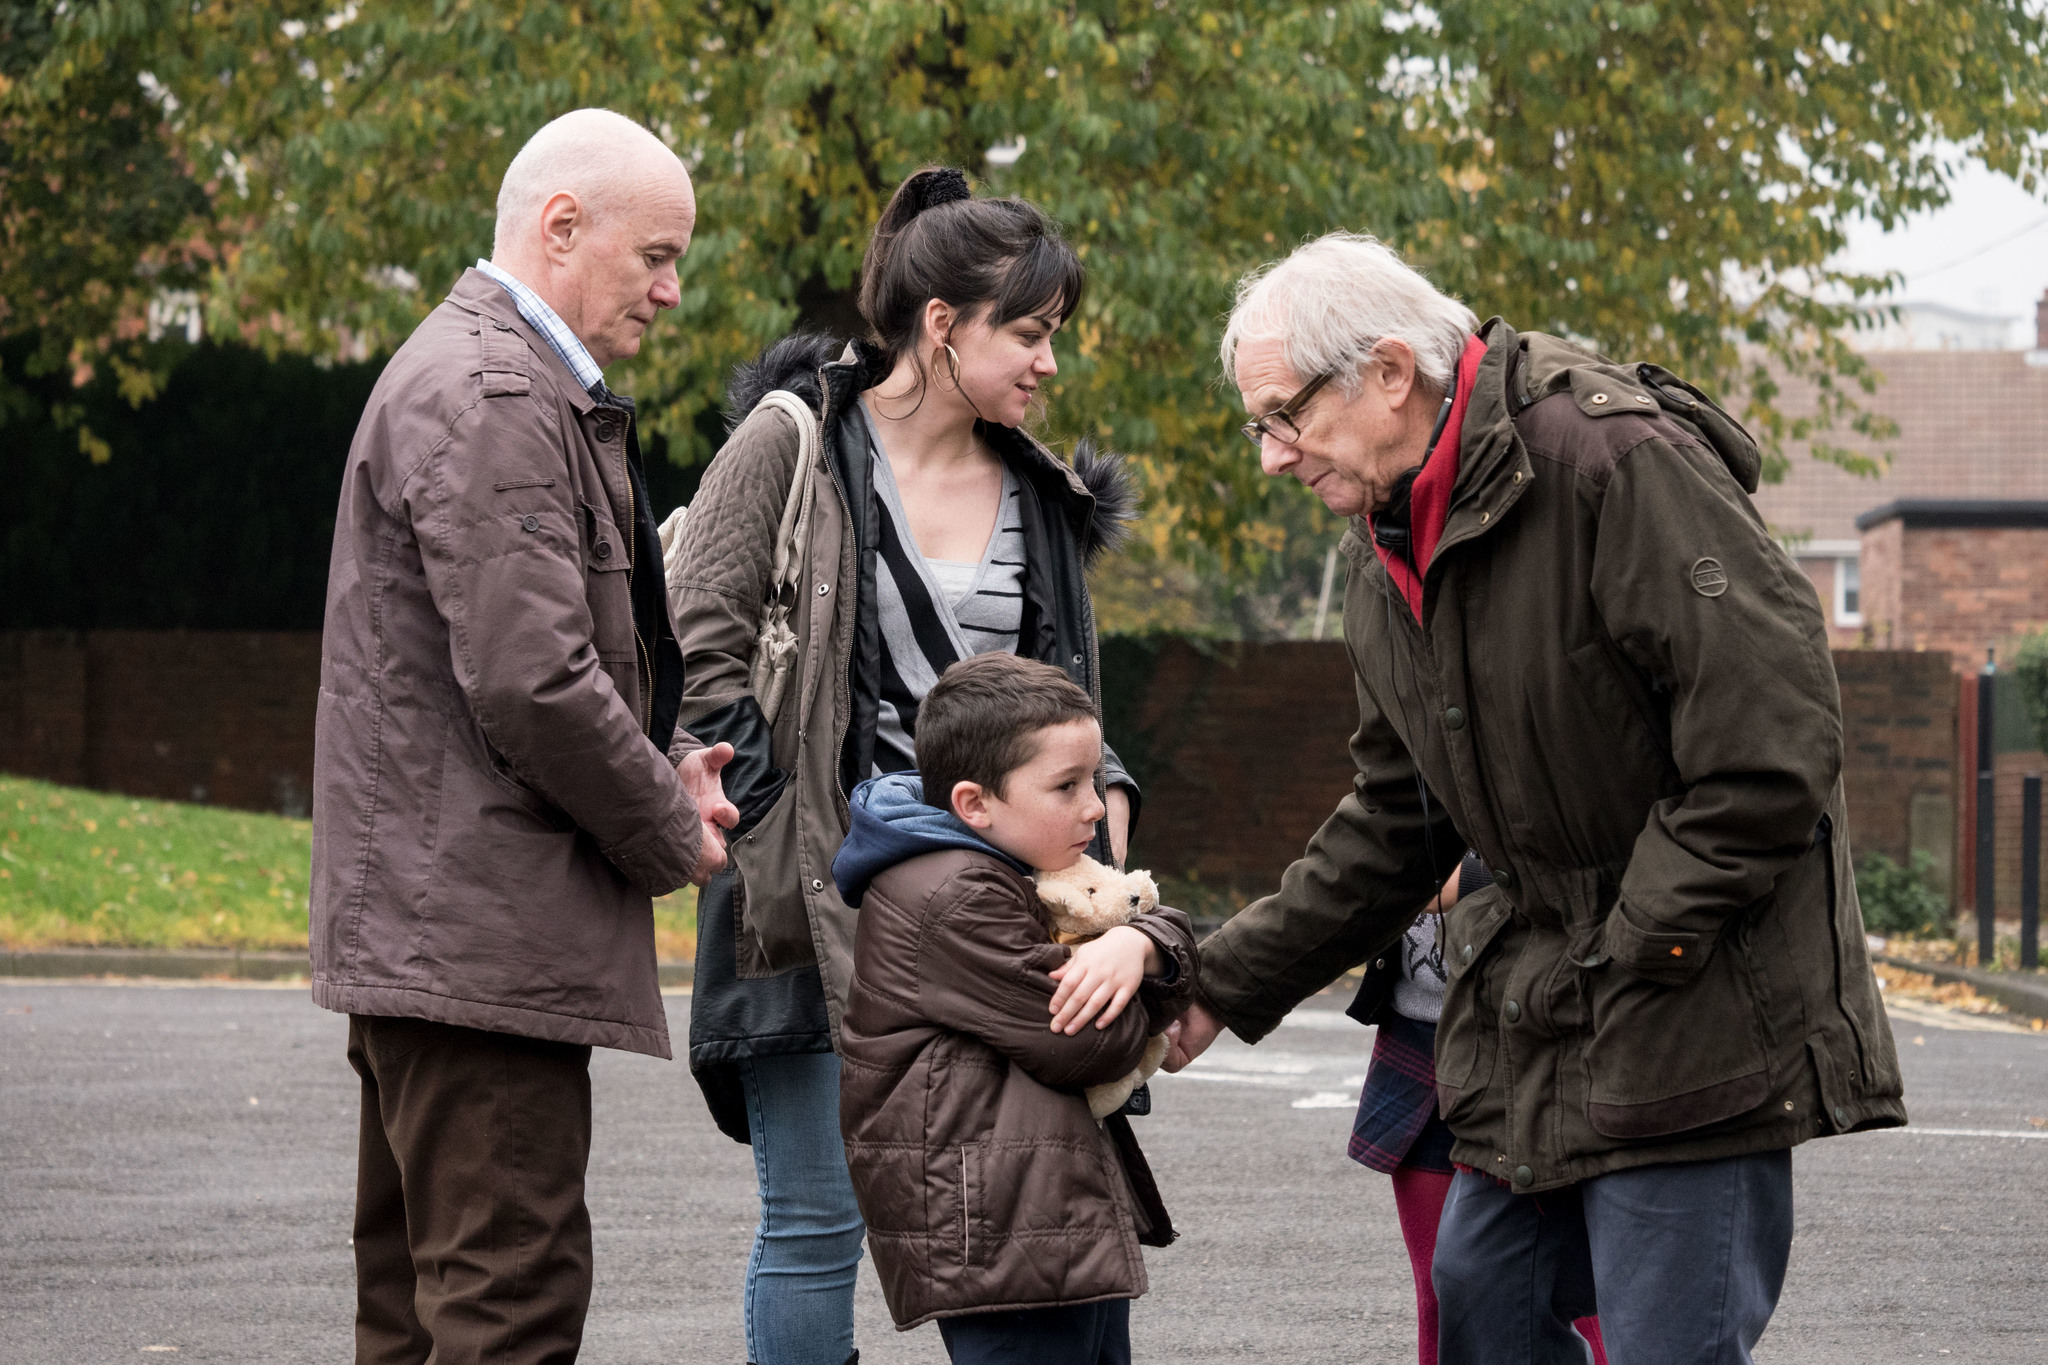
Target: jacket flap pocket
x=1469, y=926
x=1671, y=957
x=1670, y=1058
x=604, y=545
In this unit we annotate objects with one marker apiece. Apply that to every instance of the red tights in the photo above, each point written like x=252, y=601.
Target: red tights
x=1419, y=1200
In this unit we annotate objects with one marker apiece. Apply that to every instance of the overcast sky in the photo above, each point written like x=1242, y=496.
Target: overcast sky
x=1986, y=252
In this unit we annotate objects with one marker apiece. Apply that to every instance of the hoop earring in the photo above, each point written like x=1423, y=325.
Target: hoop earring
x=952, y=362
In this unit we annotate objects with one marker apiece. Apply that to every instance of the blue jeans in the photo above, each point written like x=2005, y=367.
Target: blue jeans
x=807, y=1247
x=1683, y=1262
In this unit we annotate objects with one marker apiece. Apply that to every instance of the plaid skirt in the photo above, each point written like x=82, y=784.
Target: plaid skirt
x=1397, y=1123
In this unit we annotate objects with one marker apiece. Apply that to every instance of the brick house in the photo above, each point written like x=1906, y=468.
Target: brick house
x=1946, y=553
x=1948, y=549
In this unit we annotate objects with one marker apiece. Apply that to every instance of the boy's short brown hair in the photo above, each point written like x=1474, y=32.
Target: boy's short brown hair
x=980, y=721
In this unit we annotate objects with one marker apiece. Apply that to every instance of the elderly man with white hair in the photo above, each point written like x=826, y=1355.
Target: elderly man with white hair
x=1579, y=652
x=500, y=785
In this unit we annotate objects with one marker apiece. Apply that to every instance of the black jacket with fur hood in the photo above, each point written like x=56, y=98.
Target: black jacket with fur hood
x=775, y=942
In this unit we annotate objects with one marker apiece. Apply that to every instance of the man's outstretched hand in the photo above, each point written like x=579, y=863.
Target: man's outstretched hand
x=1189, y=1036
x=699, y=774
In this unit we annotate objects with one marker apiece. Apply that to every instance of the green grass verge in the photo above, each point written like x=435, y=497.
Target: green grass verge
x=86, y=869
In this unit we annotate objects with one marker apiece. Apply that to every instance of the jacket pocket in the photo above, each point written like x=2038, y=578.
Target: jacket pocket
x=531, y=801
x=1465, y=1035
x=775, y=917
x=1666, y=1059
x=606, y=557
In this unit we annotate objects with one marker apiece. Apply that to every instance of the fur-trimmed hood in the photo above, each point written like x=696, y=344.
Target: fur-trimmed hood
x=794, y=364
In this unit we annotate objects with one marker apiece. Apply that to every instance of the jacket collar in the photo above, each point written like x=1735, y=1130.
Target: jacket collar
x=477, y=293
x=1494, y=469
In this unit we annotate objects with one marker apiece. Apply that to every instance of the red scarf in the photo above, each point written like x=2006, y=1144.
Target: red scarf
x=1429, y=500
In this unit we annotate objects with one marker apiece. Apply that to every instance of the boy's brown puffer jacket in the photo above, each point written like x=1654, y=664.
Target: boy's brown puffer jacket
x=984, y=1182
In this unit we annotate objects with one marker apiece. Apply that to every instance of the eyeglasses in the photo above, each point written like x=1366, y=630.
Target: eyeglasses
x=1280, y=422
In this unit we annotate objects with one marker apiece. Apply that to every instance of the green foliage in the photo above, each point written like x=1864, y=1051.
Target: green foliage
x=1667, y=181
x=2030, y=665
x=1900, y=900
x=98, y=213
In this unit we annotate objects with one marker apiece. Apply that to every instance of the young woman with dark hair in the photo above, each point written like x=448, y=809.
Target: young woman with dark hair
x=939, y=529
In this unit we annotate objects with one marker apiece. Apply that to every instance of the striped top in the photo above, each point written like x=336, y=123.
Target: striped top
x=933, y=613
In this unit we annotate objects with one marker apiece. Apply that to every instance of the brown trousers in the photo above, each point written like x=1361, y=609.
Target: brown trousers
x=472, y=1239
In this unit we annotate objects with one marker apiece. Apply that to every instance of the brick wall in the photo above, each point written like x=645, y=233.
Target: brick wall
x=1956, y=589
x=1899, y=769
x=217, y=716
x=1243, y=749
x=1820, y=571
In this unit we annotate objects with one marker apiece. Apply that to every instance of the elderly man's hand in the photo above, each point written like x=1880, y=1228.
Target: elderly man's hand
x=699, y=773
x=1189, y=1036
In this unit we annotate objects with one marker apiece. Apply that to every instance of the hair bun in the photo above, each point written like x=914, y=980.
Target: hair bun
x=941, y=186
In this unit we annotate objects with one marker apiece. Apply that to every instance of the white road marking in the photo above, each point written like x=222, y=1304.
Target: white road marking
x=1322, y=1019
x=1914, y=1130
x=1326, y=1099
x=1936, y=1016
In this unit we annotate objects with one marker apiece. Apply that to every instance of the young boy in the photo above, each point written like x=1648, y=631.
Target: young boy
x=994, y=1202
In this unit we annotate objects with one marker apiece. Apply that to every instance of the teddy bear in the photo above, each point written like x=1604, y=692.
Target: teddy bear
x=1087, y=900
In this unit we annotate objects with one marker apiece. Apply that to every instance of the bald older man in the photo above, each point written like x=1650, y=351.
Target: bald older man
x=499, y=783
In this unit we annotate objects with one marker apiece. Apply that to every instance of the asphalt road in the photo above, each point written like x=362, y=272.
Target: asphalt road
x=176, y=1166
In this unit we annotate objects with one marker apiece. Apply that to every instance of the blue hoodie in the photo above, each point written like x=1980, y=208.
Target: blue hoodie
x=891, y=825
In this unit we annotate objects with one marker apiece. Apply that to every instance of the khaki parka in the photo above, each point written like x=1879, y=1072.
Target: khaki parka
x=1621, y=696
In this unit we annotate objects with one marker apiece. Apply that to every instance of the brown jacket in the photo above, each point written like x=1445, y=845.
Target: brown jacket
x=1622, y=697
x=984, y=1182
x=490, y=815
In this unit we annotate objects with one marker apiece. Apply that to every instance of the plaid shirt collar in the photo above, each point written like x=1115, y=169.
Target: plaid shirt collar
x=550, y=325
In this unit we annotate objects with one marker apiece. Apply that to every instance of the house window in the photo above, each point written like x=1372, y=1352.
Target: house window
x=1848, y=592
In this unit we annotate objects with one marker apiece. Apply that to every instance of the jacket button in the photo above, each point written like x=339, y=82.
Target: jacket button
x=1077, y=658
x=603, y=550
x=824, y=588
x=1841, y=1114
x=1645, y=399
x=1513, y=1012
x=1454, y=719
x=1599, y=398
x=1524, y=1177
x=1465, y=955
x=530, y=524
x=605, y=431
x=1504, y=879
x=817, y=885
x=1380, y=965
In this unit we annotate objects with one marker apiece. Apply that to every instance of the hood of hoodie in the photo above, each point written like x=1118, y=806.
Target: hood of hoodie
x=891, y=825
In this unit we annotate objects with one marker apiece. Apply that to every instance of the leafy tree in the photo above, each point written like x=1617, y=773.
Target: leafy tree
x=1667, y=180
x=98, y=212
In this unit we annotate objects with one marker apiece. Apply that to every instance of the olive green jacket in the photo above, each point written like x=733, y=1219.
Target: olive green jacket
x=1623, y=699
